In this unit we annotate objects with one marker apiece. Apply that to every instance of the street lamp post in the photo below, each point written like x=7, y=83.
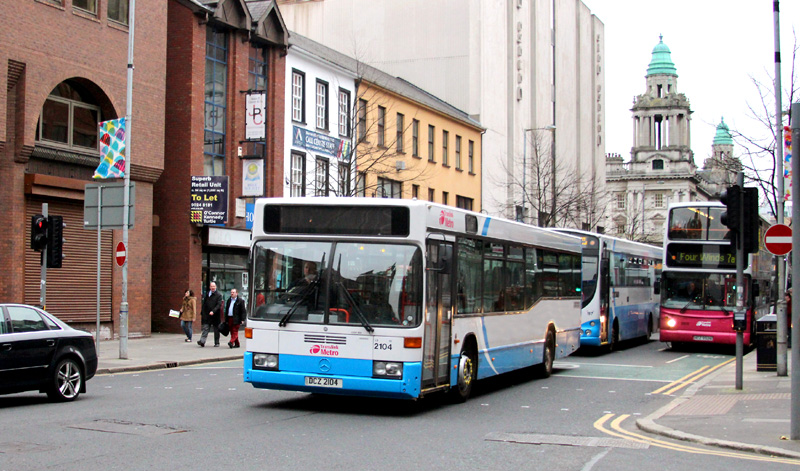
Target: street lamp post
x=525, y=166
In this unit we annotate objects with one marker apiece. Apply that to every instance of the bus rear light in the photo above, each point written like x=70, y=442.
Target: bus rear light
x=412, y=342
x=248, y=332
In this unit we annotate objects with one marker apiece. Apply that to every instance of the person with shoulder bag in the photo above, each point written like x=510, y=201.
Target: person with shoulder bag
x=188, y=313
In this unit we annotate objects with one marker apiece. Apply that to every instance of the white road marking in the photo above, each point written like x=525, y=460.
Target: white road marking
x=589, y=465
x=612, y=378
x=678, y=359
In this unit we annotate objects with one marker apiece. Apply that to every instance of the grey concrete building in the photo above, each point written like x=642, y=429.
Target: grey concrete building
x=530, y=71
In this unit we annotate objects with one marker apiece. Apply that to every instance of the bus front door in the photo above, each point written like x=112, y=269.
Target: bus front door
x=438, y=315
x=604, y=292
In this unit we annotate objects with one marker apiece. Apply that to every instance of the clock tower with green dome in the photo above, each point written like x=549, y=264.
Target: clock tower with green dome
x=662, y=116
x=661, y=169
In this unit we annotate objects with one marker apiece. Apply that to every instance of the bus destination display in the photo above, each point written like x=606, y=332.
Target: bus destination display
x=701, y=255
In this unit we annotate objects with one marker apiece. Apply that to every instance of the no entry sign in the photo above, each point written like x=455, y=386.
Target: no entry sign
x=778, y=239
x=121, y=254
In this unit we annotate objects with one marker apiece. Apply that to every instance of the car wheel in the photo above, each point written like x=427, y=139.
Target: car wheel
x=467, y=374
x=67, y=381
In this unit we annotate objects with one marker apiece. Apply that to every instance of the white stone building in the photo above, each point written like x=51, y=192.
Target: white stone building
x=528, y=70
x=662, y=168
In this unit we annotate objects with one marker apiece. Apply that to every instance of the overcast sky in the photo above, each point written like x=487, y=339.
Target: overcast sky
x=717, y=45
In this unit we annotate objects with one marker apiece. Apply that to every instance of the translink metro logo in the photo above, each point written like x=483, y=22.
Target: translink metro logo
x=325, y=350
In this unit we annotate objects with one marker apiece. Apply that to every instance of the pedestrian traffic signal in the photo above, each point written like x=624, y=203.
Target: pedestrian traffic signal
x=38, y=232
x=55, y=241
x=732, y=199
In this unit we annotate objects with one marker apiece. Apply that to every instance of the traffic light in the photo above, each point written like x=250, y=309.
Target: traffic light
x=732, y=199
x=38, y=232
x=750, y=220
x=55, y=241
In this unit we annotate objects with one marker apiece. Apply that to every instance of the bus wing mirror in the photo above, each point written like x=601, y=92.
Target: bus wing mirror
x=657, y=287
x=756, y=290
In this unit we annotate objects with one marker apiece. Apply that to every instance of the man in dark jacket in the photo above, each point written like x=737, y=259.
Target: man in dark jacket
x=235, y=313
x=210, y=316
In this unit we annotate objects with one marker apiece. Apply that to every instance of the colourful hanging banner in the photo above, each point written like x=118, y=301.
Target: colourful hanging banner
x=787, y=163
x=112, y=149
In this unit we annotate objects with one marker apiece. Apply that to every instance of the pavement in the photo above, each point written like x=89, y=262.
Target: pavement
x=713, y=412
x=163, y=351
x=710, y=411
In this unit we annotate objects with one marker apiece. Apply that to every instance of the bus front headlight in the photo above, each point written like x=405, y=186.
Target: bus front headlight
x=387, y=369
x=265, y=361
x=671, y=322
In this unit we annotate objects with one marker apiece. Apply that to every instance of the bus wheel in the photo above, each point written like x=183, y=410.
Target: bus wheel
x=545, y=369
x=649, y=327
x=467, y=374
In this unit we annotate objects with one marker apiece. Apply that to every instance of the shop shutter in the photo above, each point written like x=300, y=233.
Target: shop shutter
x=71, y=289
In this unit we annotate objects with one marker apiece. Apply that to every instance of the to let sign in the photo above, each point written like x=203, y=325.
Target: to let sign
x=778, y=239
x=209, y=200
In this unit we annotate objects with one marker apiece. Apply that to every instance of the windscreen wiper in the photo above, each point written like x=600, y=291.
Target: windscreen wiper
x=356, y=309
x=303, y=296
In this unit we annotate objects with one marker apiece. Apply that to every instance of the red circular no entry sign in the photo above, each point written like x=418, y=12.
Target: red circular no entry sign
x=778, y=239
x=121, y=254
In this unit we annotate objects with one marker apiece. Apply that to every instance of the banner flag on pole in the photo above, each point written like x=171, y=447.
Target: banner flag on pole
x=112, y=149
x=787, y=163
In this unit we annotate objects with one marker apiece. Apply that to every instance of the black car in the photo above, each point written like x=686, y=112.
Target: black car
x=39, y=352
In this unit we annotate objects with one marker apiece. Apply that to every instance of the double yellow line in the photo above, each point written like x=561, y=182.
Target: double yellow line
x=617, y=431
x=689, y=379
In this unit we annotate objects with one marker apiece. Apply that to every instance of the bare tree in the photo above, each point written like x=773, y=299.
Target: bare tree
x=378, y=166
x=577, y=202
x=758, y=150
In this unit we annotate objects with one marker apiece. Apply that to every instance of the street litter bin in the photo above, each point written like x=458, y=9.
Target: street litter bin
x=767, y=343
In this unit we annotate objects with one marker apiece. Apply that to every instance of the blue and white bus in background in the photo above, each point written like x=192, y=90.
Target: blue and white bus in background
x=401, y=298
x=620, y=289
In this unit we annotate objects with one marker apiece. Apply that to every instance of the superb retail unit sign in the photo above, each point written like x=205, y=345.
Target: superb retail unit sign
x=209, y=199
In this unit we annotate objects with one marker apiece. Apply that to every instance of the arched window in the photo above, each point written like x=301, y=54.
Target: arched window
x=69, y=118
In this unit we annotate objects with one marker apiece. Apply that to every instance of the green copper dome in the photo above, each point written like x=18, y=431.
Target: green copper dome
x=661, y=63
x=723, y=135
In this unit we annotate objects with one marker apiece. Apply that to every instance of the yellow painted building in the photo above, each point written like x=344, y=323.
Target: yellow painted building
x=414, y=145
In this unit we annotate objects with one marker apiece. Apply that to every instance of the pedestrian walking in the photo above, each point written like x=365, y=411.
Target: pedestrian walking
x=210, y=315
x=235, y=312
x=188, y=313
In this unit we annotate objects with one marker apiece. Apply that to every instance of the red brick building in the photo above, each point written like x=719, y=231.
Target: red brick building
x=63, y=68
x=217, y=51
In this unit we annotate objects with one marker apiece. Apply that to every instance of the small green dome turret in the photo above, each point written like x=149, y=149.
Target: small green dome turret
x=661, y=63
x=723, y=136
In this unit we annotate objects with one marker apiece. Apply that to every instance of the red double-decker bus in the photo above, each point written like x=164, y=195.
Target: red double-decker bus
x=698, y=287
